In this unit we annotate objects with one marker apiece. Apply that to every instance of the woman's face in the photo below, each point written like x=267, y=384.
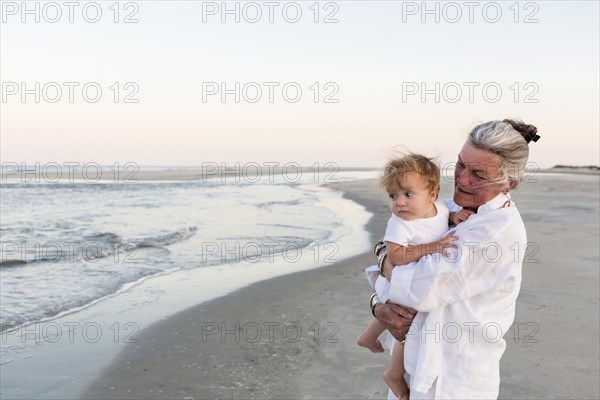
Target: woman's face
x=474, y=171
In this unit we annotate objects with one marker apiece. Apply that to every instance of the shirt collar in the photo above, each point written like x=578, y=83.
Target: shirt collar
x=500, y=201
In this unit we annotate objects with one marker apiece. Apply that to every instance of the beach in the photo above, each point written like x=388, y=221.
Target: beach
x=294, y=336
x=287, y=330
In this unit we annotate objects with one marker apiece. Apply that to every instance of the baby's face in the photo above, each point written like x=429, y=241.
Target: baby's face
x=410, y=198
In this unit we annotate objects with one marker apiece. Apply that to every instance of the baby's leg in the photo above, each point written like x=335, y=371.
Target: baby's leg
x=369, y=337
x=394, y=376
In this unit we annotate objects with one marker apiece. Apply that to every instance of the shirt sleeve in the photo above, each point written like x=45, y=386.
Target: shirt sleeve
x=398, y=231
x=382, y=288
x=451, y=205
x=435, y=281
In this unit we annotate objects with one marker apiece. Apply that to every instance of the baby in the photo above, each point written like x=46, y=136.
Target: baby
x=414, y=230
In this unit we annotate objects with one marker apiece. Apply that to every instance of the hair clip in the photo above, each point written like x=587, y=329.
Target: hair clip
x=531, y=136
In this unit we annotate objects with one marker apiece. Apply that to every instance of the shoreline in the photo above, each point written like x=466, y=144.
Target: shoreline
x=301, y=336
x=318, y=248
x=87, y=340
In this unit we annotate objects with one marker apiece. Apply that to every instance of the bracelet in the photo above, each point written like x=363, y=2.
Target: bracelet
x=378, y=247
x=373, y=301
x=380, y=261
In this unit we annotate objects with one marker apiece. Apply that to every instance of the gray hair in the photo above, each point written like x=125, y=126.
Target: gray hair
x=508, y=140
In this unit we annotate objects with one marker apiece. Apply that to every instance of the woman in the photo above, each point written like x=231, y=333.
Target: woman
x=465, y=301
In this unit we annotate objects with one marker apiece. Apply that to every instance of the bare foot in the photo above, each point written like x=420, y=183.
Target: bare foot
x=398, y=385
x=375, y=346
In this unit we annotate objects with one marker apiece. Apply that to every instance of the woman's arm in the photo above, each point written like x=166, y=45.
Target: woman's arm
x=484, y=259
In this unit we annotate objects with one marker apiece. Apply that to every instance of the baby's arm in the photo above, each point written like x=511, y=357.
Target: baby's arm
x=400, y=255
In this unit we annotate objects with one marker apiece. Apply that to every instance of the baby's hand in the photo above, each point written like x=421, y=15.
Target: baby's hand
x=461, y=216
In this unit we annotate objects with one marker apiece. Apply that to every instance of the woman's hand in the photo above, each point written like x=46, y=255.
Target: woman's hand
x=395, y=318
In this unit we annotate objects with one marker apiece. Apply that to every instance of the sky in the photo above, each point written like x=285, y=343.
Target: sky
x=344, y=82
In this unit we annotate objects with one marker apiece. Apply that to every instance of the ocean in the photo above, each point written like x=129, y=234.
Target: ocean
x=68, y=245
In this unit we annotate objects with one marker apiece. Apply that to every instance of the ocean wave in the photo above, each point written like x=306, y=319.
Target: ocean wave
x=11, y=263
x=64, y=306
x=97, y=246
x=270, y=204
x=112, y=243
x=198, y=228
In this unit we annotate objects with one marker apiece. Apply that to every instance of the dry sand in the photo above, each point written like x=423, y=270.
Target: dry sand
x=297, y=332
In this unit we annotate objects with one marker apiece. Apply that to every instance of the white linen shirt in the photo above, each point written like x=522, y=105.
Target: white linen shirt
x=465, y=304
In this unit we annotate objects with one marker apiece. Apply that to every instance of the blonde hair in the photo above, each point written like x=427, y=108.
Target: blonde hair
x=395, y=169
